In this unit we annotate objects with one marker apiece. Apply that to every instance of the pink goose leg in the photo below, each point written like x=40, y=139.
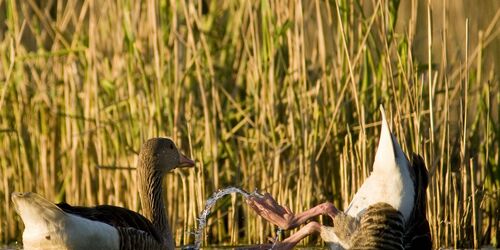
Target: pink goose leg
x=284, y=218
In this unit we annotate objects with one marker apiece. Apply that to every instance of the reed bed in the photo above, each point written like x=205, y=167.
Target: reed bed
x=280, y=96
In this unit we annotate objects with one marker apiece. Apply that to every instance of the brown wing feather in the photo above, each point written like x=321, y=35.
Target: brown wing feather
x=134, y=239
x=418, y=233
x=381, y=227
x=114, y=216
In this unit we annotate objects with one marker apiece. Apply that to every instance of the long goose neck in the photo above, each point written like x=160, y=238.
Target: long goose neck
x=150, y=181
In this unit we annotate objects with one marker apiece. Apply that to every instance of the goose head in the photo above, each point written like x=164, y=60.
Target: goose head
x=162, y=156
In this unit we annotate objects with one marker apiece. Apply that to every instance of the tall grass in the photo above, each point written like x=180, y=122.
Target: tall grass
x=276, y=95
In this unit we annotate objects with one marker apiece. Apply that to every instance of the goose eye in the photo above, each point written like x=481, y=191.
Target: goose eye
x=171, y=146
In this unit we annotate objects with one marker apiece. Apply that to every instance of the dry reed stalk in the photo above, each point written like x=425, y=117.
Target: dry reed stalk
x=276, y=95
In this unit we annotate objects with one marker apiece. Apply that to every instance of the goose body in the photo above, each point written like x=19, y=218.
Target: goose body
x=387, y=212
x=62, y=226
x=390, y=188
x=381, y=226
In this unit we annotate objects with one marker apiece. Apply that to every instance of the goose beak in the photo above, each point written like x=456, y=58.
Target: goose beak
x=184, y=161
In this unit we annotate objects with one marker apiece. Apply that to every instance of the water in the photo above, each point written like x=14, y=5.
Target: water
x=202, y=220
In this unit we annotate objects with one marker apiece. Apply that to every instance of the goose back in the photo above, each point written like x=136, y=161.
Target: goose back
x=116, y=217
x=380, y=227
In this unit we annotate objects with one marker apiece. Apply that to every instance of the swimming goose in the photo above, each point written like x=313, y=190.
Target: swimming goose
x=62, y=226
x=393, y=184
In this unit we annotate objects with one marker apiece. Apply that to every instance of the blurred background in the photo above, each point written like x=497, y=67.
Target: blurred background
x=280, y=96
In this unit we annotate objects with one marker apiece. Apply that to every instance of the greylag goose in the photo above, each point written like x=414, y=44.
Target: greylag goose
x=390, y=203
x=61, y=226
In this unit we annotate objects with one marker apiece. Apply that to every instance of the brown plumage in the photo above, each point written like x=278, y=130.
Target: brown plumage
x=380, y=227
x=133, y=239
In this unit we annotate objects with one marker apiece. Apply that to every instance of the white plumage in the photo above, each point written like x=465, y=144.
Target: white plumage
x=390, y=180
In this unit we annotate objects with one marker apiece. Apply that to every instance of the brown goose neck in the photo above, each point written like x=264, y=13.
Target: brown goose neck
x=150, y=180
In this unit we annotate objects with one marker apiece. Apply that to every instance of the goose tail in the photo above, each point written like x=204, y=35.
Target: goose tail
x=36, y=210
x=389, y=152
x=386, y=152
x=48, y=227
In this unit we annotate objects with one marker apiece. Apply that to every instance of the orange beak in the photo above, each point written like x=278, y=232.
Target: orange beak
x=184, y=161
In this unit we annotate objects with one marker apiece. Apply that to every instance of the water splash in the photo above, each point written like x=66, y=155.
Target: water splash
x=276, y=238
x=202, y=219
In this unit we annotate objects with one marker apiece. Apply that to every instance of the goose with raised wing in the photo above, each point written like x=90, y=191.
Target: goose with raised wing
x=387, y=212
x=62, y=226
